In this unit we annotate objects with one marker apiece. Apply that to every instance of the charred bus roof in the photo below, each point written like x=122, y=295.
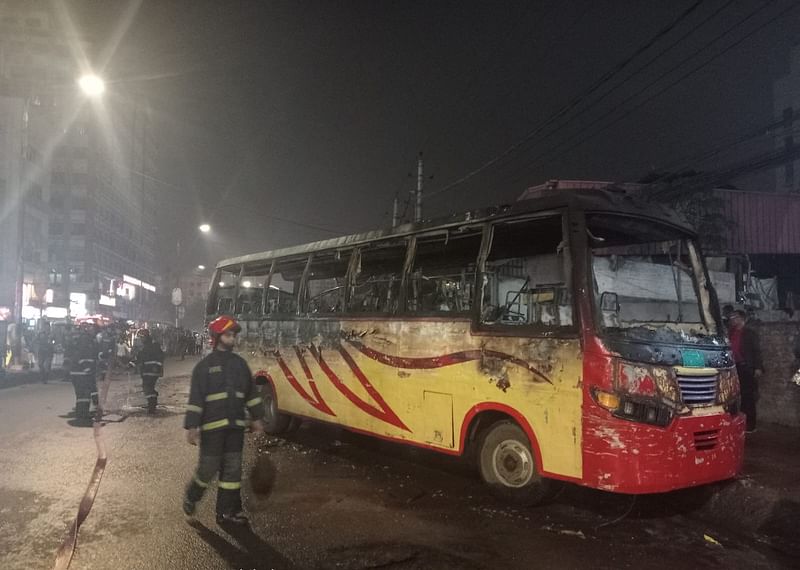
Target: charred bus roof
x=609, y=201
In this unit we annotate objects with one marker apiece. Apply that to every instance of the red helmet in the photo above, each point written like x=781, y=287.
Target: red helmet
x=221, y=325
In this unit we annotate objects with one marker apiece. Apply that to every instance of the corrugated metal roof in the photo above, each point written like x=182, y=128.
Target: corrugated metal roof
x=762, y=223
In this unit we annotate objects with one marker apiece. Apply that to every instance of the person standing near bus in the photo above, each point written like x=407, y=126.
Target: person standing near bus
x=150, y=361
x=222, y=389
x=81, y=357
x=749, y=364
x=44, y=351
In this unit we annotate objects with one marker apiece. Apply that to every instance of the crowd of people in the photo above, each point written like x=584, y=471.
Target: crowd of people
x=44, y=347
x=182, y=342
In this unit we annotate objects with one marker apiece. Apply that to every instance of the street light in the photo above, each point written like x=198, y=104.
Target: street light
x=205, y=228
x=201, y=267
x=92, y=85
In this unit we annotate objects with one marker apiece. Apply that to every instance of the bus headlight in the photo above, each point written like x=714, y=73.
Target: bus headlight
x=647, y=381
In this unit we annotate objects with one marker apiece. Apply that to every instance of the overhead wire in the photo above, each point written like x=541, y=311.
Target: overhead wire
x=583, y=137
x=478, y=71
x=694, y=159
x=577, y=100
x=643, y=67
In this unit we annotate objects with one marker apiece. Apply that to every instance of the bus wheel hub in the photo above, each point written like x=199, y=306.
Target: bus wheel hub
x=513, y=464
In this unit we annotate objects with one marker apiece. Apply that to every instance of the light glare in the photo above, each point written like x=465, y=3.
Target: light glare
x=92, y=85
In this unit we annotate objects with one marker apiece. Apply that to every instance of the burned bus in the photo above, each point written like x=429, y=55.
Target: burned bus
x=575, y=336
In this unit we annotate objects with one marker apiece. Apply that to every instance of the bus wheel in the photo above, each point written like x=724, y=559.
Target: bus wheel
x=508, y=467
x=275, y=422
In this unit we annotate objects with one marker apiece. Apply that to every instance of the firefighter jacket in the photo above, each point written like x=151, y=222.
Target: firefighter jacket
x=81, y=356
x=151, y=360
x=105, y=350
x=222, y=388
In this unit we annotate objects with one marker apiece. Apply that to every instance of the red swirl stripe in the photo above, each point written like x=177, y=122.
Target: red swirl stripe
x=316, y=401
x=431, y=362
x=383, y=412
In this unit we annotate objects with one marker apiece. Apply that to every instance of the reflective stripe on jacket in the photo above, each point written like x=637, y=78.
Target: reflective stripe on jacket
x=222, y=389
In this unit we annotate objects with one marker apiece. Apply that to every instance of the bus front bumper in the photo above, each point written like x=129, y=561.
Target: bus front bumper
x=629, y=457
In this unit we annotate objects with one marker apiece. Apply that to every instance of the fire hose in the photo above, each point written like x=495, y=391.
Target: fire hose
x=67, y=549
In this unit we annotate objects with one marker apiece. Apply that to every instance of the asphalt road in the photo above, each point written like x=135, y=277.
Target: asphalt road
x=322, y=499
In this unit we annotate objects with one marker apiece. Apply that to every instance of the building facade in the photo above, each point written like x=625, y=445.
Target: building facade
x=90, y=205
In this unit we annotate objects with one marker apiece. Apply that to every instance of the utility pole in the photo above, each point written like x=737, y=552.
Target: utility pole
x=395, y=211
x=20, y=250
x=418, y=205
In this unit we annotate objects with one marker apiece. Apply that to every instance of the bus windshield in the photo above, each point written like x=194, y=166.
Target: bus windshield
x=648, y=278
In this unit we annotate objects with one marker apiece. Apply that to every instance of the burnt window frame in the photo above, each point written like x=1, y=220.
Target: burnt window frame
x=411, y=259
x=212, y=302
x=304, y=300
x=571, y=330
x=355, y=262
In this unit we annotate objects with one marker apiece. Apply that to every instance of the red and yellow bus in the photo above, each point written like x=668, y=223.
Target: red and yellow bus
x=575, y=336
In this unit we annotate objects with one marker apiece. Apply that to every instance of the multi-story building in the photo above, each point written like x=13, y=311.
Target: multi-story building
x=102, y=213
x=90, y=204
x=194, y=288
x=24, y=189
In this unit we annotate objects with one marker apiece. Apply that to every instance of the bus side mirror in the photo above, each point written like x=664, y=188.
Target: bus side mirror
x=609, y=302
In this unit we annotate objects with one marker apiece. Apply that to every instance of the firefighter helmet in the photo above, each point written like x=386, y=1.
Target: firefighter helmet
x=222, y=325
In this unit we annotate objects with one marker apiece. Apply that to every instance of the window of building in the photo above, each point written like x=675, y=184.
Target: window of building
x=376, y=277
x=35, y=193
x=524, y=280
x=57, y=200
x=443, y=275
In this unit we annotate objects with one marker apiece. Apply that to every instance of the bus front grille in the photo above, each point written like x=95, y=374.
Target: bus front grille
x=698, y=390
x=706, y=440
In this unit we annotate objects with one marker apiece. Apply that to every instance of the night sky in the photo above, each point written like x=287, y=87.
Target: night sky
x=271, y=113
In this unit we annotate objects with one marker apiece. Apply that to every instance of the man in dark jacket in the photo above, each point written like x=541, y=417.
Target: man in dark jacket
x=81, y=357
x=150, y=361
x=749, y=365
x=222, y=389
x=44, y=351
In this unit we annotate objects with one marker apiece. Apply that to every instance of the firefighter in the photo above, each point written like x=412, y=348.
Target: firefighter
x=105, y=352
x=222, y=389
x=81, y=356
x=150, y=361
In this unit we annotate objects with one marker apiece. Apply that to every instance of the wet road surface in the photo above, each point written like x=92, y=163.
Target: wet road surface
x=320, y=499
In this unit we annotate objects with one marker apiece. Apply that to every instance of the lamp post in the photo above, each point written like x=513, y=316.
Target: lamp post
x=19, y=281
x=204, y=228
x=92, y=87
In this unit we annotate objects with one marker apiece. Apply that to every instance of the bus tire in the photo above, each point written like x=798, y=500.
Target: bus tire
x=275, y=422
x=508, y=466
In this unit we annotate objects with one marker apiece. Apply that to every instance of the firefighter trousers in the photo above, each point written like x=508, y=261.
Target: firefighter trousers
x=220, y=454
x=149, y=389
x=85, y=388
